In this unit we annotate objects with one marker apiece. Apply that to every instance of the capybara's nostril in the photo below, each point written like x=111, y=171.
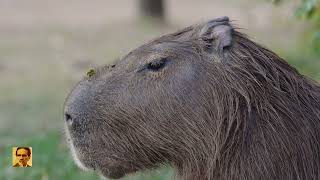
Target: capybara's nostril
x=68, y=118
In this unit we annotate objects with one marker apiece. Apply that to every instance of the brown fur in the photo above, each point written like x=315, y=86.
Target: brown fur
x=237, y=113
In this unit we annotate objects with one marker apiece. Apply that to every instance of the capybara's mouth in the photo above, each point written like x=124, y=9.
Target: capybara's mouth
x=82, y=158
x=80, y=152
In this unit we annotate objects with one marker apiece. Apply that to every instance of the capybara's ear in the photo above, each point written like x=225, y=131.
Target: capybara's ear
x=217, y=32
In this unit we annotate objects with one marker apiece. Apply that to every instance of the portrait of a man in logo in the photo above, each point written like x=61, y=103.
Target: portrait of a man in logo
x=21, y=157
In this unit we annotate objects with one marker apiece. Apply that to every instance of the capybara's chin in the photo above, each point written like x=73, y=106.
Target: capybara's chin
x=112, y=172
x=87, y=158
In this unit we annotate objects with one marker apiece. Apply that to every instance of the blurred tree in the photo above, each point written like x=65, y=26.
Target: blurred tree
x=152, y=8
x=309, y=10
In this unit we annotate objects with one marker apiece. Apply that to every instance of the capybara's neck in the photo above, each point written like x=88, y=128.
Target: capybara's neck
x=267, y=124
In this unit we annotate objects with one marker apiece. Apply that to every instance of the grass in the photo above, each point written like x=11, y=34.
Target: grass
x=52, y=160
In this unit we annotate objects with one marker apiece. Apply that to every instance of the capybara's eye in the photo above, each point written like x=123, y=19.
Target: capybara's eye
x=157, y=64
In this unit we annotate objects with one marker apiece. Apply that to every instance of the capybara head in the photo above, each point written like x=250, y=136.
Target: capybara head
x=205, y=100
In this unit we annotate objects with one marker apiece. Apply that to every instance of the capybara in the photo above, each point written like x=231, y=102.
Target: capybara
x=206, y=101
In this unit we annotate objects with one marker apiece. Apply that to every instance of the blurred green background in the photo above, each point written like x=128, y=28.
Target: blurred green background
x=47, y=46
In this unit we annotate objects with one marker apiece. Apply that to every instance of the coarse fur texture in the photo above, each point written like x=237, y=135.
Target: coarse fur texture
x=205, y=100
